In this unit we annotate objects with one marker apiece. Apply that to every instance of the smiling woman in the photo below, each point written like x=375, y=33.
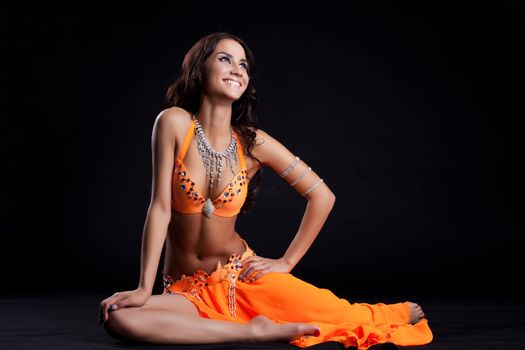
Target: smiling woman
x=208, y=155
x=229, y=68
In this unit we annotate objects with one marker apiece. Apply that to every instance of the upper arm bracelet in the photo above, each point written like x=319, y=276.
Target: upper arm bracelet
x=300, y=177
x=289, y=168
x=312, y=187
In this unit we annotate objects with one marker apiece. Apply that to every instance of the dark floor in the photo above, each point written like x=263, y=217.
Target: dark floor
x=70, y=322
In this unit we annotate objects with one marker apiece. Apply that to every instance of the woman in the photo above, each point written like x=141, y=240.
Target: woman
x=208, y=155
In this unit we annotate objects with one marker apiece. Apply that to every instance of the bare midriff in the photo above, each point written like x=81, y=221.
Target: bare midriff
x=196, y=242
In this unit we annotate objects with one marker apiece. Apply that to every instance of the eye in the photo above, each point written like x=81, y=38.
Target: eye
x=226, y=57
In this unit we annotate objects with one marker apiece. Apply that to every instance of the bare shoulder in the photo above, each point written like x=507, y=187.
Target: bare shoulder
x=270, y=151
x=173, y=117
x=274, y=154
x=173, y=121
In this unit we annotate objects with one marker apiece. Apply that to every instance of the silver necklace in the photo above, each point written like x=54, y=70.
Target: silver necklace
x=213, y=159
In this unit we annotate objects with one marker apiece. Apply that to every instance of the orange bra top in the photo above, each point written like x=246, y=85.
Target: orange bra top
x=187, y=198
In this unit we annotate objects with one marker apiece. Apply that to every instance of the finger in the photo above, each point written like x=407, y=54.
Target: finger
x=106, y=304
x=110, y=306
x=113, y=297
x=246, y=261
x=251, y=269
x=263, y=267
x=245, y=270
x=105, y=311
x=102, y=310
x=249, y=260
x=119, y=304
x=101, y=313
x=258, y=275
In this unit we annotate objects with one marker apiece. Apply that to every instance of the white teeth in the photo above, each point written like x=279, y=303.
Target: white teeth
x=233, y=83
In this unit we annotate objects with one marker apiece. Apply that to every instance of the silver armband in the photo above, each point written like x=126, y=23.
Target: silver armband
x=300, y=177
x=312, y=187
x=290, y=167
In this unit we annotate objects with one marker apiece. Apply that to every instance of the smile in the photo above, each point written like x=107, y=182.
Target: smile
x=232, y=83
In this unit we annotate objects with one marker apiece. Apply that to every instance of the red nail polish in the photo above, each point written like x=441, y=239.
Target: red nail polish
x=317, y=333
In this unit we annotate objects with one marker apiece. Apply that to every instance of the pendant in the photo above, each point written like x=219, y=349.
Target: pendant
x=208, y=208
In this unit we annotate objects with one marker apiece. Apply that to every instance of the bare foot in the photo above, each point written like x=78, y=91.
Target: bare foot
x=265, y=329
x=416, y=313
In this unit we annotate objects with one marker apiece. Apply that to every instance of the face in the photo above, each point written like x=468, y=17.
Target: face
x=226, y=70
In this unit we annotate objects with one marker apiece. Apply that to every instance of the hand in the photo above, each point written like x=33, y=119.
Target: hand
x=261, y=266
x=119, y=300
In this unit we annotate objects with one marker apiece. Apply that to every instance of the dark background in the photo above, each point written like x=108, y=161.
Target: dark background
x=409, y=113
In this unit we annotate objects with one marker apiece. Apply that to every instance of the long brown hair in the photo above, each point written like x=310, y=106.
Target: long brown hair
x=185, y=93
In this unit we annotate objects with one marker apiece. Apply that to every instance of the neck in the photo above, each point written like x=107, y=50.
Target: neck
x=215, y=121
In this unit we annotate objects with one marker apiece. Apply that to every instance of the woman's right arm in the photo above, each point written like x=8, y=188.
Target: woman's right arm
x=163, y=146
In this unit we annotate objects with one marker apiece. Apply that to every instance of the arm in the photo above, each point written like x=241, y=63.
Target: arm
x=159, y=212
x=315, y=215
x=320, y=198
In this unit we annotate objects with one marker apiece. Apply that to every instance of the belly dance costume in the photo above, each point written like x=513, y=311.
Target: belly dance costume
x=282, y=297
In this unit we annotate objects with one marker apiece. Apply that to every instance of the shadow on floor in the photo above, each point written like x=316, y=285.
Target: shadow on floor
x=71, y=322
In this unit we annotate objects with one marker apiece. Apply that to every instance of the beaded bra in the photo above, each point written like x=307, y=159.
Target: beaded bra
x=187, y=198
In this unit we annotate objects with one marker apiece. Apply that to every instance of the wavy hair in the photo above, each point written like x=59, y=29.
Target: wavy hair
x=185, y=92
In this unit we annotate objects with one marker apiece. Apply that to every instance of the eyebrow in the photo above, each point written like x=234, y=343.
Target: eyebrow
x=230, y=56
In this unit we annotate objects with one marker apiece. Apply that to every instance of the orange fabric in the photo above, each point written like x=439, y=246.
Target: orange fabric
x=187, y=198
x=284, y=298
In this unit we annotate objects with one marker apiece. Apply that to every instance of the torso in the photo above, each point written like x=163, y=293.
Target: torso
x=194, y=241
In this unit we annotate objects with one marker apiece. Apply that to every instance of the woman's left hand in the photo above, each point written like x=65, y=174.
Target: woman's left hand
x=259, y=266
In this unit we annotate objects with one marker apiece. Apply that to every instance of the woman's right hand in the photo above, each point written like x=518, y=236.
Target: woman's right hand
x=119, y=300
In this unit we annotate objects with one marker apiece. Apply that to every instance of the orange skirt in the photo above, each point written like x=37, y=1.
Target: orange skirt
x=284, y=299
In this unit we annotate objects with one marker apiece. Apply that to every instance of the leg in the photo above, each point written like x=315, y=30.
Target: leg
x=286, y=297
x=173, y=319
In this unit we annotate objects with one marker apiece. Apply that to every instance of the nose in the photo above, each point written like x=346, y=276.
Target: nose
x=239, y=74
x=237, y=71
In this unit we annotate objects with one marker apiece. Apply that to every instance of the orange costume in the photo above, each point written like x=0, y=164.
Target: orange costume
x=282, y=297
x=186, y=197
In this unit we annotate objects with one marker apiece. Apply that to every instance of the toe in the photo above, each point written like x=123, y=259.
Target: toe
x=416, y=313
x=312, y=330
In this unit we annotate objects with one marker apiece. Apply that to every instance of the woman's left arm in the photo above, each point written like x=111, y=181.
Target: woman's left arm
x=305, y=181
x=320, y=204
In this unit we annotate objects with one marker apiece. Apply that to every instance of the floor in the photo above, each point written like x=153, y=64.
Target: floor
x=70, y=322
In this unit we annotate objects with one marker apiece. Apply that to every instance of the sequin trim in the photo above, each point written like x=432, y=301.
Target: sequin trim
x=192, y=285
x=187, y=185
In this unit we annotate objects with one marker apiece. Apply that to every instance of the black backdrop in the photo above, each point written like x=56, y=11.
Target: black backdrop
x=409, y=113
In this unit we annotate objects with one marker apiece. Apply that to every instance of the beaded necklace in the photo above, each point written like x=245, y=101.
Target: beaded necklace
x=213, y=159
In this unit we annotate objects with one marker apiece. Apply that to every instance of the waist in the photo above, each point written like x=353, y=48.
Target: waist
x=187, y=252
x=228, y=270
